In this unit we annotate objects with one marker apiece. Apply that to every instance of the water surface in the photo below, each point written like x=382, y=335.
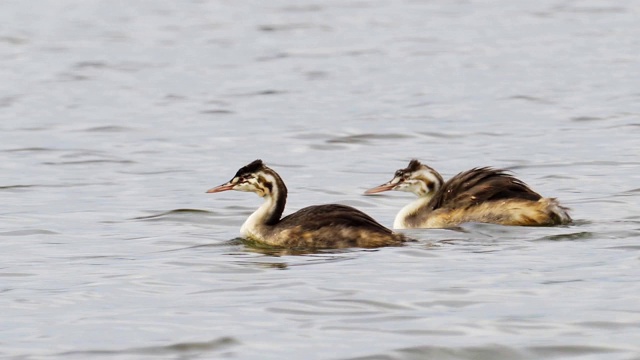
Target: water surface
x=115, y=119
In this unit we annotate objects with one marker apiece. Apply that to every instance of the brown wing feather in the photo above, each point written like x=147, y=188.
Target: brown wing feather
x=316, y=217
x=480, y=185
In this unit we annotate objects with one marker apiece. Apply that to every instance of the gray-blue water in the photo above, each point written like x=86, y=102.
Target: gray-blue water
x=116, y=117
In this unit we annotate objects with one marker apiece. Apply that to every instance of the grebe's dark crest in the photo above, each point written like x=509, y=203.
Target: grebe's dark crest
x=320, y=226
x=479, y=195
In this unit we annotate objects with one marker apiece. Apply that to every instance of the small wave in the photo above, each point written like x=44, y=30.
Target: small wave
x=562, y=351
x=107, y=128
x=32, y=149
x=624, y=247
x=177, y=213
x=13, y=40
x=323, y=147
x=217, y=112
x=531, y=99
x=129, y=66
x=586, y=118
x=7, y=101
x=595, y=163
x=178, y=348
x=366, y=138
x=290, y=27
x=586, y=9
x=29, y=186
x=578, y=236
x=83, y=162
x=442, y=135
x=495, y=352
x=261, y=93
x=90, y=64
x=14, y=187
x=27, y=232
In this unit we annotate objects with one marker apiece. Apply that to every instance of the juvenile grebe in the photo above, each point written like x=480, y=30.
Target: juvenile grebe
x=319, y=226
x=479, y=195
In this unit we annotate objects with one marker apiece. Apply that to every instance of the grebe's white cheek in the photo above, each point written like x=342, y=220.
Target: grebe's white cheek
x=411, y=185
x=418, y=187
x=402, y=187
x=244, y=187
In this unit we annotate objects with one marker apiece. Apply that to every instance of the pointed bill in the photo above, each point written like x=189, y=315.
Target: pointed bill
x=378, y=189
x=223, y=187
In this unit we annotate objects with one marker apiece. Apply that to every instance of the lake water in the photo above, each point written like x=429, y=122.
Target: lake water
x=116, y=117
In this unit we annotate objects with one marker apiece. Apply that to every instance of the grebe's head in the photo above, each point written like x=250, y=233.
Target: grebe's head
x=416, y=178
x=255, y=177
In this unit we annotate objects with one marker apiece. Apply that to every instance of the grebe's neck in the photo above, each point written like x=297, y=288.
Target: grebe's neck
x=269, y=213
x=411, y=212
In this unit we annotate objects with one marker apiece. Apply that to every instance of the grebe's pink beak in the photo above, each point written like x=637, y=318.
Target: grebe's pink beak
x=223, y=187
x=378, y=189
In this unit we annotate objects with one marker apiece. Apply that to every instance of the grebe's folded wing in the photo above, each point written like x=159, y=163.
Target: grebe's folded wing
x=331, y=215
x=481, y=185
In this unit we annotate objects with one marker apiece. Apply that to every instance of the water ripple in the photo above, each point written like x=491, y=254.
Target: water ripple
x=577, y=236
x=104, y=254
x=28, y=232
x=366, y=138
x=85, y=162
x=108, y=128
x=182, y=349
x=176, y=214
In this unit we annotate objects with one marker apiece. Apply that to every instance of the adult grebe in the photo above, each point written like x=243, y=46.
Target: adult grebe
x=479, y=195
x=320, y=226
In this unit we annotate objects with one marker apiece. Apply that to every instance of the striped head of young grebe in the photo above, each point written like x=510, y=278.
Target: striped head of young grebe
x=254, y=177
x=416, y=178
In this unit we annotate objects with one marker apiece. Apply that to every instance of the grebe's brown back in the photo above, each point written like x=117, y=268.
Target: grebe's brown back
x=479, y=195
x=319, y=226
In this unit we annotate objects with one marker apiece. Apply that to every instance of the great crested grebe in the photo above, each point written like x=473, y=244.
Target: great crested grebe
x=319, y=226
x=478, y=195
